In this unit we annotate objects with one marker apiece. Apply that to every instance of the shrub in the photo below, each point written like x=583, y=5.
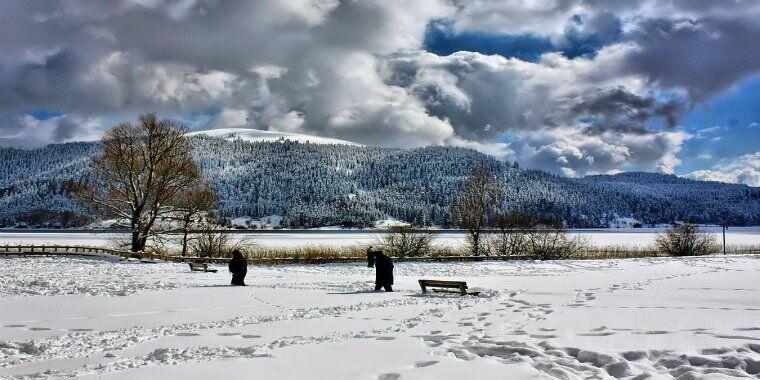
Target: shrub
x=405, y=242
x=686, y=240
x=552, y=242
x=211, y=241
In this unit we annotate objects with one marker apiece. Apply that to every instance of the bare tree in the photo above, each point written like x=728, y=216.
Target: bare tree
x=139, y=174
x=193, y=204
x=550, y=241
x=477, y=196
x=212, y=241
x=406, y=242
x=686, y=240
x=512, y=232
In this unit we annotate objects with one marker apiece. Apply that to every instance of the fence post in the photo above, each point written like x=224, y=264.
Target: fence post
x=724, y=237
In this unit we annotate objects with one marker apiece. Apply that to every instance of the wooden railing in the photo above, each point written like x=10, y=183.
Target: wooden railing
x=78, y=250
x=8, y=249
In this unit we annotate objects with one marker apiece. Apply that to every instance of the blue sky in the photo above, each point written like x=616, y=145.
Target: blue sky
x=725, y=126
x=442, y=39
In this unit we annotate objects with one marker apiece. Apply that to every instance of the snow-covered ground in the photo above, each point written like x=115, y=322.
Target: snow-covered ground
x=344, y=238
x=687, y=317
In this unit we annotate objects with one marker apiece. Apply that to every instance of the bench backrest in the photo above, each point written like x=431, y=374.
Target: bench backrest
x=443, y=284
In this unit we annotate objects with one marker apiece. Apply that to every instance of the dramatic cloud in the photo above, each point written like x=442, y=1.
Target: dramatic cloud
x=702, y=56
x=744, y=169
x=604, y=89
x=597, y=123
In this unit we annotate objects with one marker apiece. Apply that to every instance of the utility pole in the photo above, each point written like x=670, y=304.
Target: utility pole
x=724, y=236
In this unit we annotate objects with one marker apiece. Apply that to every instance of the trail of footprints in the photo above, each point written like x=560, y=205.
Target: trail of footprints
x=554, y=361
x=86, y=343
x=569, y=362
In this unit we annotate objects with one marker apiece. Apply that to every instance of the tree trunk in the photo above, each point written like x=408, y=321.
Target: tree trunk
x=136, y=238
x=143, y=242
x=185, y=230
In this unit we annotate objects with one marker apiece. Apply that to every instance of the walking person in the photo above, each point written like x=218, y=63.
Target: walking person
x=238, y=268
x=383, y=269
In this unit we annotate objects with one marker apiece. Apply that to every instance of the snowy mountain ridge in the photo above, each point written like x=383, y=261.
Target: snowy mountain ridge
x=316, y=185
x=258, y=135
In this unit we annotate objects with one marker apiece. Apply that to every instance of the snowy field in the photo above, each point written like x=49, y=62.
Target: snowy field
x=691, y=317
x=600, y=237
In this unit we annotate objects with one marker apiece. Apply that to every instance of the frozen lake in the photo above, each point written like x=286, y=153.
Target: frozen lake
x=344, y=238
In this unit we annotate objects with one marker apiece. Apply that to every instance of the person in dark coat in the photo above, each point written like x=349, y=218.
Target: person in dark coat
x=383, y=269
x=238, y=268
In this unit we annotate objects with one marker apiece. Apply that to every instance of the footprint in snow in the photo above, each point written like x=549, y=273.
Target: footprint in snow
x=542, y=336
x=651, y=332
x=425, y=363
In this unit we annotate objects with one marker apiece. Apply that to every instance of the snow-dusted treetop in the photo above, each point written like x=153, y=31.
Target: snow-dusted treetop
x=256, y=135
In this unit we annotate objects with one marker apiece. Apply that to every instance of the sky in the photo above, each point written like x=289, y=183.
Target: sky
x=574, y=87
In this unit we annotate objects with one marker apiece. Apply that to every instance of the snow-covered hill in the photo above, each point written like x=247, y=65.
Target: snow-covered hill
x=256, y=135
x=317, y=185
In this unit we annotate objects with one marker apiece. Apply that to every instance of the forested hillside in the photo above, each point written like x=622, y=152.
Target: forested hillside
x=313, y=185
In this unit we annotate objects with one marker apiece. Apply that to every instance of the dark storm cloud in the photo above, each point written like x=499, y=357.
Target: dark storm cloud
x=702, y=56
x=618, y=109
x=586, y=35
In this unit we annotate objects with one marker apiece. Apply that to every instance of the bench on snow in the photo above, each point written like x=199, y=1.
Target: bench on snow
x=438, y=284
x=196, y=267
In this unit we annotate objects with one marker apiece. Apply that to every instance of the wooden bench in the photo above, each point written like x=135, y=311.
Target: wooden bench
x=196, y=267
x=438, y=284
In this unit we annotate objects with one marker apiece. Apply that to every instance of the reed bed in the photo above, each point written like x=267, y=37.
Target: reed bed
x=317, y=254
x=326, y=254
